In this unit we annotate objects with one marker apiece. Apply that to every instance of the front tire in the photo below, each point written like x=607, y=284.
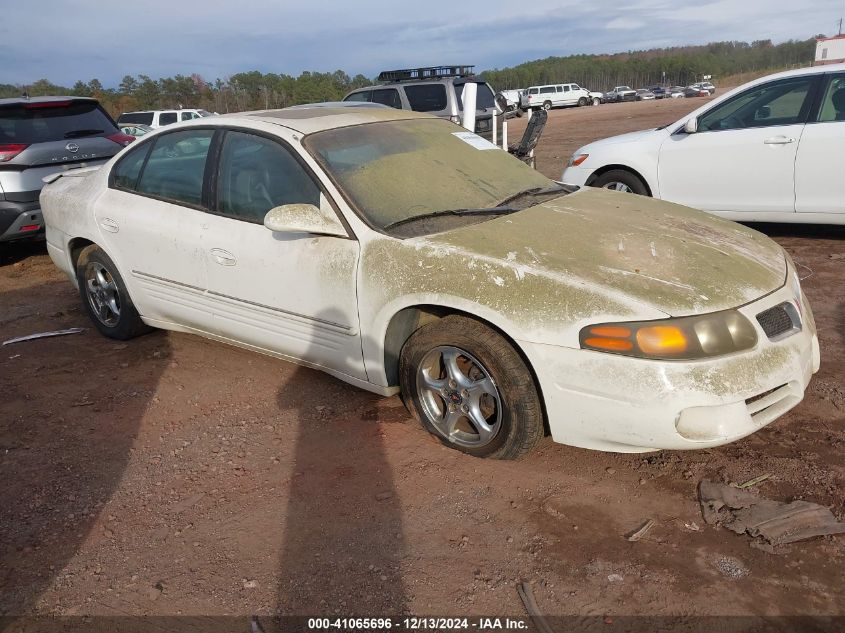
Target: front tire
x=621, y=180
x=596, y=101
x=583, y=101
x=547, y=105
x=105, y=297
x=471, y=389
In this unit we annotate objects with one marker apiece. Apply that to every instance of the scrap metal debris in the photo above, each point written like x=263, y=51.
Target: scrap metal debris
x=776, y=522
x=637, y=534
x=754, y=482
x=32, y=337
x=527, y=596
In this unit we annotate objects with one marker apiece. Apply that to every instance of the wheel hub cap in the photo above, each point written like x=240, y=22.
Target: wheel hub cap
x=458, y=397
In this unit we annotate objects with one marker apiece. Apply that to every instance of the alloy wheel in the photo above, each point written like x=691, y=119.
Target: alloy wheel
x=459, y=397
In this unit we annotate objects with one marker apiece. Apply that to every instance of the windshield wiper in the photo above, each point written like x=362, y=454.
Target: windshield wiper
x=497, y=210
x=536, y=191
x=80, y=133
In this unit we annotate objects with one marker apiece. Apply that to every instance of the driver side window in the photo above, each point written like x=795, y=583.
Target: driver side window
x=783, y=102
x=257, y=174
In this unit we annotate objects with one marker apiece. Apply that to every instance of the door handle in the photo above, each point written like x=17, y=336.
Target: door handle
x=224, y=258
x=779, y=140
x=109, y=225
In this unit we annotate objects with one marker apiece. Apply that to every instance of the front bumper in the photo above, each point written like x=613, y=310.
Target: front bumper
x=576, y=176
x=622, y=404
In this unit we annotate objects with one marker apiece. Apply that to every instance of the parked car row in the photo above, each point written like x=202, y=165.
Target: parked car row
x=626, y=93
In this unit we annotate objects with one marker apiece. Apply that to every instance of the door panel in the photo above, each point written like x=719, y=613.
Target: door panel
x=155, y=239
x=819, y=185
x=736, y=170
x=742, y=158
x=289, y=293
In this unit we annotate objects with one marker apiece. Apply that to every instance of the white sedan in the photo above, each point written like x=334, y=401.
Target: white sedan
x=768, y=151
x=397, y=251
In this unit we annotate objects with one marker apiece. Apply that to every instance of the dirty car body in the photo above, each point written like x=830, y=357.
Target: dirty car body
x=407, y=251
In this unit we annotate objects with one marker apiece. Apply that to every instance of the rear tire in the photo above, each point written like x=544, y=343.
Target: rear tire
x=105, y=297
x=471, y=389
x=621, y=180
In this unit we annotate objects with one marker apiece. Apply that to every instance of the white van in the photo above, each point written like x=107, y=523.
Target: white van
x=159, y=118
x=554, y=96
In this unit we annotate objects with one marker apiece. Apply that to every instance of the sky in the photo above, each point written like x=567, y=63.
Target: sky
x=67, y=40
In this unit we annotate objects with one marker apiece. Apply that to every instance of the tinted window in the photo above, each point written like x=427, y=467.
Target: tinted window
x=547, y=89
x=364, y=95
x=187, y=116
x=136, y=117
x=775, y=103
x=388, y=97
x=176, y=166
x=566, y=88
x=484, y=97
x=833, y=103
x=166, y=118
x=35, y=123
x=426, y=97
x=257, y=174
x=576, y=87
x=127, y=170
x=532, y=91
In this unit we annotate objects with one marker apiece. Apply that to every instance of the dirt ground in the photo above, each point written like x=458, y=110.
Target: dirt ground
x=174, y=475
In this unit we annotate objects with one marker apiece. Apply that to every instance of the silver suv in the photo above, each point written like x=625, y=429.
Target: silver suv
x=436, y=90
x=38, y=137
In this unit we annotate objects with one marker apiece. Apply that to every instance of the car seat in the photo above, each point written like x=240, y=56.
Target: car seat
x=838, y=100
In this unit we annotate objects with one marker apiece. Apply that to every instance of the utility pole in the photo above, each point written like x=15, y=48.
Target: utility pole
x=840, y=26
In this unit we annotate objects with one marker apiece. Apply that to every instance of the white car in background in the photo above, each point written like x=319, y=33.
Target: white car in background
x=555, y=96
x=768, y=151
x=398, y=251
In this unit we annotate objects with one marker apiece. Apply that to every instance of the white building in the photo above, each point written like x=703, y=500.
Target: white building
x=830, y=50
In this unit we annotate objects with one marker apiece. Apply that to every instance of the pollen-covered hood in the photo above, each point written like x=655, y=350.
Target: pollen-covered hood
x=669, y=257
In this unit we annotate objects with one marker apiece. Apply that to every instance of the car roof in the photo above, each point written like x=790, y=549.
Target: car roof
x=318, y=117
x=17, y=100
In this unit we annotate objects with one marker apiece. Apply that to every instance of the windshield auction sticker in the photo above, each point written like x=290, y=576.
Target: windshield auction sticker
x=475, y=140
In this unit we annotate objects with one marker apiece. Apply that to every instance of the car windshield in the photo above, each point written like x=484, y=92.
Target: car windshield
x=396, y=170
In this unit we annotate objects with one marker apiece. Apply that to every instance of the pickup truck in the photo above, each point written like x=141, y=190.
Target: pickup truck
x=620, y=93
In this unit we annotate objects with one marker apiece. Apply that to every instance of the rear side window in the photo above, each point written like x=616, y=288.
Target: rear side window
x=547, y=89
x=37, y=123
x=833, y=103
x=362, y=96
x=256, y=175
x=176, y=166
x=129, y=168
x=166, y=118
x=136, y=117
x=426, y=97
x=484, y=97
x=388, y=97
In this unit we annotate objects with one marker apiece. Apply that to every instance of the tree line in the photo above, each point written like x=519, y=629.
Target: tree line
x=255, y=90
x=679, y=66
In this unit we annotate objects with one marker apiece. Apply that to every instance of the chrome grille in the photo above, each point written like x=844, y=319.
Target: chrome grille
x=779, y=320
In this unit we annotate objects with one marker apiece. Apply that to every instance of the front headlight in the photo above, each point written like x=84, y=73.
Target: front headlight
x=684, y=338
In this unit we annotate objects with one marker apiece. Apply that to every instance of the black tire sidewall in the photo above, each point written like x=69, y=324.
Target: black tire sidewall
x=129, y=324
x=547, y=105
x=522, y=418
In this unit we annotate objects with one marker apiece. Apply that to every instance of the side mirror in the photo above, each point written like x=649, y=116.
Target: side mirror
x=304, y=218
x=691, y=126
